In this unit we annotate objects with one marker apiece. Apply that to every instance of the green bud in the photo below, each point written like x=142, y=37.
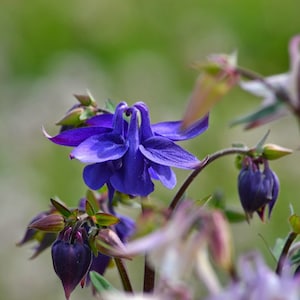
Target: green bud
x=86, y=100
x=272, y=151
x=294, y=221
x=72, y=117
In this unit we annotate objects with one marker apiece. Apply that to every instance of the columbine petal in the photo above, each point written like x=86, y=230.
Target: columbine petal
x=100, y=148
x=133, y=178
x=164, y=174
x=104, y=120
x=125, y=228
x=96, y=175
x=173, y=131
x=73, y=137
x=275, y=192
x=164, y=152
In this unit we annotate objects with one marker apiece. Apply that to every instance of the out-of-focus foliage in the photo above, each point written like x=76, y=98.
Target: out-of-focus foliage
x=126, y=50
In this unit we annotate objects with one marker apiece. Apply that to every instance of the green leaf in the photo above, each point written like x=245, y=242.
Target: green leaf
x=295, y=258
x=61, y=208
x=109, y=106
x=234, y=216
x=204, y=201
x=217, y=201
x=92, y=199
x=258, y=117
x=260, y=145
x=92, y=243
x=86, y=114
x=89, y=209
x=103, y=219
x=279, y=244
x=100, y=283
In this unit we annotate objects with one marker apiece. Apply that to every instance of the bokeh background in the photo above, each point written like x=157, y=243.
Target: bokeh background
x=127, y=50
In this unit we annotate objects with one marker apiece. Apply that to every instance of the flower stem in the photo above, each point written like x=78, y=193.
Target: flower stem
x=149, y=272
x=284, y=253
x=202, y=165
x=149, y=277
x=123, y=274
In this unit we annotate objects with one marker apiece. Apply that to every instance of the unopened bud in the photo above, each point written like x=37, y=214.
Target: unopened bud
x=272, y=151
x=108, y=243
x=85, y=100
x=220, y=241
x=50, y=223
x=72, y=118
x=71, y=262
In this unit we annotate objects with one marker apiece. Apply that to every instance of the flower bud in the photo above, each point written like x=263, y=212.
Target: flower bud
x=272, y=151
x=50, y=223
x=43, y=239
x=72, y=118
x=71, y=262
x=220, y=240
x=108, y=242
x=85, y=100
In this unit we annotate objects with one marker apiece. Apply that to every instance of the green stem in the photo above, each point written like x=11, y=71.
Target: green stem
x=123, y=274
x=203, y=164
x=284, y=253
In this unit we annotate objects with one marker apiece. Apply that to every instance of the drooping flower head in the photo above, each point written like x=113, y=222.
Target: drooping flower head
x=71, y=258
x=257, y=188
x=125, y=151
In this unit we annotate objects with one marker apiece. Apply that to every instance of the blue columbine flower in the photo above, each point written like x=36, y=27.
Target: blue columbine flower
x=125, y=151
x=257, y=188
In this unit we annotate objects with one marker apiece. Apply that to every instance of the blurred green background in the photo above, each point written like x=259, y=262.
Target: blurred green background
x=127, y=50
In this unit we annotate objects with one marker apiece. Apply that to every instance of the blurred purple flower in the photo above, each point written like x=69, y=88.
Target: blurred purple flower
x=127, y=153
x=257, y=281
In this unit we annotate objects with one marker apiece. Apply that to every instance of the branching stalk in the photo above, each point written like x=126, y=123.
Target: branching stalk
x=203, y=164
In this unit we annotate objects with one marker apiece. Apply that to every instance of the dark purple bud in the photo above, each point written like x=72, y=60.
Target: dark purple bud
x=257, y=188
x=71, y=262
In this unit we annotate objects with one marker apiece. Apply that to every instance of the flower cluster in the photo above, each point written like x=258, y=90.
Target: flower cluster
x=76, y=238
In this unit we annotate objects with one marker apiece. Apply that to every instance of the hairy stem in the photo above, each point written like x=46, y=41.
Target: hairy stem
x=203, y=164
